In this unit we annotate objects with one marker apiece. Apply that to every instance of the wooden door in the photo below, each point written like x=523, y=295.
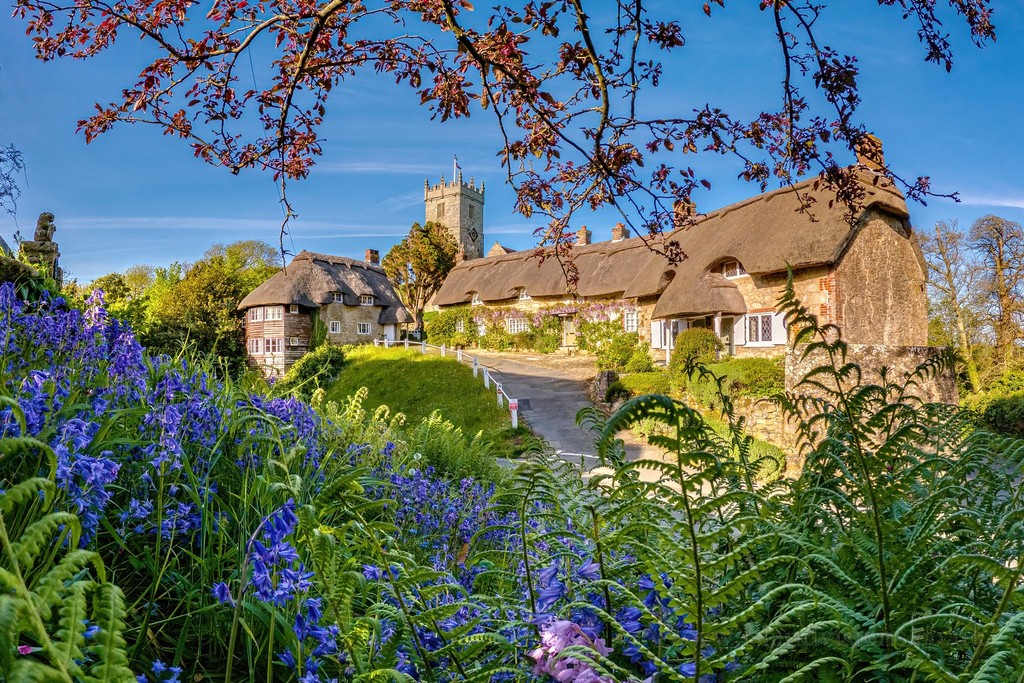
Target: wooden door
x=569, y=331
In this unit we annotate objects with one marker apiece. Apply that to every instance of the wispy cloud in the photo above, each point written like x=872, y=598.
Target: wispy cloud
x=1012, y=201
x=304, y=229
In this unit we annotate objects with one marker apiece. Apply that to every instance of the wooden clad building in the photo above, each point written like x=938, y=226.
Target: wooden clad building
x=353, y=299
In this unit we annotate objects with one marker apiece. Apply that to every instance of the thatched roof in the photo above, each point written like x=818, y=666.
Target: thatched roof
x=766, y=233
x=312, y=279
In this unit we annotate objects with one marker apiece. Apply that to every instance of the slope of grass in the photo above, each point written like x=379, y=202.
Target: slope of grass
x=417, y=385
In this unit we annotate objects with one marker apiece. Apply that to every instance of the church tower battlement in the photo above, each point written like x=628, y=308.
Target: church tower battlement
x=458, y=206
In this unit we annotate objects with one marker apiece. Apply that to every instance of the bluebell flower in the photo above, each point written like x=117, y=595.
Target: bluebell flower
x=222, y=593
x=590, y=570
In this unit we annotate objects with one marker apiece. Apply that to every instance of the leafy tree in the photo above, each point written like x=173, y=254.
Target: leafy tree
x=1000, y=245
x=953, y=273
x=568, y=81
x=418, y=265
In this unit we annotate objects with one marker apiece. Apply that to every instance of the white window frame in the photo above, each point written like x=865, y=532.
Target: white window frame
x=293, y=309
x=335, y=327
x=273, y=345
x=256, y=314
x=274, y=313
x=364, y=328
x=475, y=300
x=517, y=325
x=256, y=347
x=338, y=297
x=755, y=330
x=460, y=325
x=523, y=296
x=630, y=320
x=366, y=300
x=737, y=271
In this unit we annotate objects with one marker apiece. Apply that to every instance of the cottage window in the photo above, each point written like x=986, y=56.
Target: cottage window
x=629, y=320
x=335, y=327
x=517, y=325
x=293, y=309
x=366, y=300
x=274, y=312
x=523, y=296
x=759, y=328
x=256, y=314
x=338, y=297
x=255, y=346
x=460, y=325
x=476, y=299
x=363, y=328
x=733, y=269
x=481, y=329
x=274, y=345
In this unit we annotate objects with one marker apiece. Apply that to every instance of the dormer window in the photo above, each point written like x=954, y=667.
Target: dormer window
x=733, y=269
x=338, y=297
x=476, y=299
x=366, y=300
x=523, y=296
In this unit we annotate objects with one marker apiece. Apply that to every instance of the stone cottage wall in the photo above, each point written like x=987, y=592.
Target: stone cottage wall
x=350, y=316
x=880, y=286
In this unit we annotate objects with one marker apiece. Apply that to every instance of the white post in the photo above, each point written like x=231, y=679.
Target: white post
x=501, y=403
x=407, y=342
x=423, y=347
x=442, y=351
x=487, y=379
x=458, y=354
x=476, y=367
x=513, y=406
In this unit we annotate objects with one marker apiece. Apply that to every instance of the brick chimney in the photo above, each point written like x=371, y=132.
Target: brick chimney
x=869, y=153
x=619, y=232
x=582, y=236
x=372, y=257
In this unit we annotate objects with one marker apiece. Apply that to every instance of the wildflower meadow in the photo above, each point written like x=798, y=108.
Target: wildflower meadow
x=162, y=522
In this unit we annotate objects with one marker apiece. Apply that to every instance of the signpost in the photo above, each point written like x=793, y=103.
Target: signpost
x=513, y=405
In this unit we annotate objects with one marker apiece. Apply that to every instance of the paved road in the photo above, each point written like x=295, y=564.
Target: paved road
x=553, y=399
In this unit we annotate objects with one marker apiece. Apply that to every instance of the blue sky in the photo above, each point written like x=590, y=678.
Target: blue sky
x=134, y=196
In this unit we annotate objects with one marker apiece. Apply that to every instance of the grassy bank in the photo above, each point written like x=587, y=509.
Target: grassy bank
x=417, y=385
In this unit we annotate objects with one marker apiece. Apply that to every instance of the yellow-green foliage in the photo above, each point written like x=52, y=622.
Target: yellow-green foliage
x=417, y=385
x=442, y=327
x=316, y=369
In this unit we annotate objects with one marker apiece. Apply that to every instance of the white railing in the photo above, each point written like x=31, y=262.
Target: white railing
x=473, y=361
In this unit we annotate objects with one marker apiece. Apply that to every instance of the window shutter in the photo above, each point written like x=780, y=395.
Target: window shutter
x=739, y=330
x=656, y=326
x=779, y=328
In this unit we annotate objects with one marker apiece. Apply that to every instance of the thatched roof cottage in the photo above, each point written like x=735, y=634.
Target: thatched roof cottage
x=353, y=300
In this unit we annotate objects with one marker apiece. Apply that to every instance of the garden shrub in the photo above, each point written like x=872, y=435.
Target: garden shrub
x=437, y=443
x=615, y=392
x=640, y=383
x=316, y=369
x=697, y=344
x=741, y=378
x=610, y=344
x=1004, y=415
x=640, y=361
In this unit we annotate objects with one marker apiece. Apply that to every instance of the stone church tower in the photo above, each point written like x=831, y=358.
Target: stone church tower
x=459, y=207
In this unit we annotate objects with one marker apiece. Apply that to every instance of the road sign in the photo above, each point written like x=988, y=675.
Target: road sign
x=513, y=404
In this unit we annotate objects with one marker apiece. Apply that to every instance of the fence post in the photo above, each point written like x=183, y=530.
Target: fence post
x=406, y=342
x=458, y=354
x=513, y=406
x=476, y=367
x=442, y=351
x=487, y=379
x=501, y=403
x=423, y=347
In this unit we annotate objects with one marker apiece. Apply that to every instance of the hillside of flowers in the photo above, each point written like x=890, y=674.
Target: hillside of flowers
x=159, y=524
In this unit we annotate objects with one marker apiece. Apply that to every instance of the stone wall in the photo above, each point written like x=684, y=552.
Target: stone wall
x=350, y=316
x=900, y=361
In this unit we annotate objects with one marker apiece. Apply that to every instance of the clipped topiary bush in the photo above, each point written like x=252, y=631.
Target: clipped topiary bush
x=699, y=344
x=316, y=369
x=642, y=383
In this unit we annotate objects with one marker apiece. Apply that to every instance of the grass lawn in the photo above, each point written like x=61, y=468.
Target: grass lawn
x=417, y=385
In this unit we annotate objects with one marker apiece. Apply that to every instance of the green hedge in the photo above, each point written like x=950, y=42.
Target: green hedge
x=744, y=378
x=641, y=383
x=442, y=327
x=318, y=368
